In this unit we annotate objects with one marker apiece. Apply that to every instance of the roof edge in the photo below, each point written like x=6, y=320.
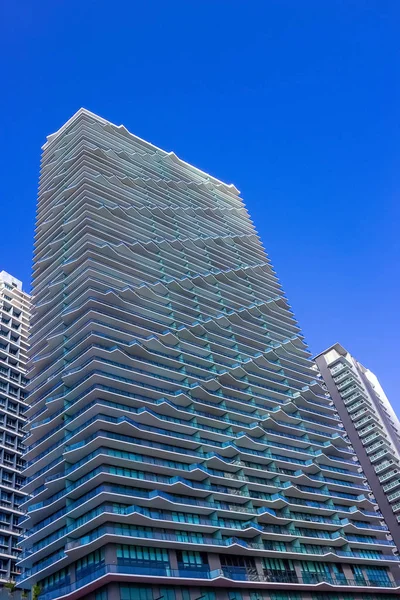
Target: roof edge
x=84, y=111
x=336, y=346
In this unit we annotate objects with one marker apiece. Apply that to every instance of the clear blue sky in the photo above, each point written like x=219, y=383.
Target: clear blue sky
x=295, y=101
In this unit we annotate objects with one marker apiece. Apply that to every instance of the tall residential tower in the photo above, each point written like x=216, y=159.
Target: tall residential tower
x=14, y=315
x=180, y=446
x=372, y=426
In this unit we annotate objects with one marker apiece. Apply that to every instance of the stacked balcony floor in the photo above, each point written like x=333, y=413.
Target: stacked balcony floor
x=177, y=428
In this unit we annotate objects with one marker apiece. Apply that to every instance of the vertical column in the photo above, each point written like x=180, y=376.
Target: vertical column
x=299, y=572
x=110, y=554
x=259, y=568
x=173, y=561
x=214, y=561
x=113, y=592
x=348, y=573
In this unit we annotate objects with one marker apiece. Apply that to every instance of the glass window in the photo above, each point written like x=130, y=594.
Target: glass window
x=134, y=592
x=191, y=558
x=142, y=554
x=90, y=562
x=377, y=575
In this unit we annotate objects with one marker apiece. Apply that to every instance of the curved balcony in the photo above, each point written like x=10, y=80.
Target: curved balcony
x=217, y=578
x=171, y=376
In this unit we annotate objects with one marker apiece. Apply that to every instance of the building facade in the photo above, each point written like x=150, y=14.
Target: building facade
x=180, y=444
x=14, y=315
x=372, y=426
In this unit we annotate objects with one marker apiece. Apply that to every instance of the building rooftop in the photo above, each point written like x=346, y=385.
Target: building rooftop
x=83, y=111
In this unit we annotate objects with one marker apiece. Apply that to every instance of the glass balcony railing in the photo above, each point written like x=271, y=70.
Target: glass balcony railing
x=231, y=573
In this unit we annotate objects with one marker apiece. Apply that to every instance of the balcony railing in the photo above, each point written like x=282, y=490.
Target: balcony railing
x=233, y=574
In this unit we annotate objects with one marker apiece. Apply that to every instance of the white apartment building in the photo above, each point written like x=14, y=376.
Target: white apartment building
x=371, y=424
x=14, y=315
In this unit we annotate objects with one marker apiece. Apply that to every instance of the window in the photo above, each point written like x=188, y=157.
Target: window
x=134, y=592
x=310, y=566
x=313, y=571
x=277, y=569
x=185, y=517
x=210, y=595
x=142, y=555
x=191, y=559
x=235, y=595
x=277, y=546
x=230, y=560
x=187, y=536
x=89, y=563
x=285, y=596
x=377, y=575
x=369, y=553
x=57, y=579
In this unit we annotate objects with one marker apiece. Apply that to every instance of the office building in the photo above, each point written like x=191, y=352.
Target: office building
x=14, y=314
x=372, y=426
x=180, y=444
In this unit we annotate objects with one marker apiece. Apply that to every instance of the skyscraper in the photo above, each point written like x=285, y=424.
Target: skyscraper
x=180, y=444
x=371, y=424
x=14, y=315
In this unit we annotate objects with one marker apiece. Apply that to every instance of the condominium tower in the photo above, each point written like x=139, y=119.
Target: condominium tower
x=372, y=426
x=180, y=444
x=14, y=314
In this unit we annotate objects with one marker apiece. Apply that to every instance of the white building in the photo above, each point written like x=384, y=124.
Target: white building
x=371, y=424
x=14, y=315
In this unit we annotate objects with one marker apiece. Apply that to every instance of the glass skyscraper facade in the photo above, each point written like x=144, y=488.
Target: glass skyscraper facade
x=180, y=443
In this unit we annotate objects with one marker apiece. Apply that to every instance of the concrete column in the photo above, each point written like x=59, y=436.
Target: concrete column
x=214, y=561
x=110, y=554
x=297, y=568
x=221, y=594
x=113, y=591
x=173, y=561
x=348, y=573
x=71, y=573
x=259, y=567
x=178, y=594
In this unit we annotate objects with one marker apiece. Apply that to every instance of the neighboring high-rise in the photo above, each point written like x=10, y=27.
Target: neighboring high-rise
x=14, y=314
x=180, y=446
x=372, y=426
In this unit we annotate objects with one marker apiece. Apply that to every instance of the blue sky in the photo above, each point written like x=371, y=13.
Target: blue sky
x=294, y=101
